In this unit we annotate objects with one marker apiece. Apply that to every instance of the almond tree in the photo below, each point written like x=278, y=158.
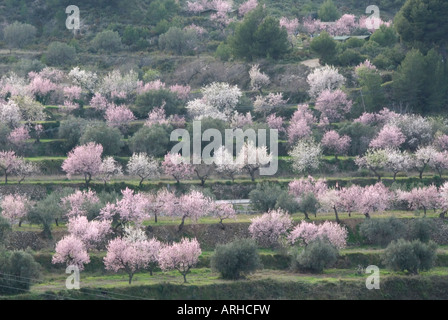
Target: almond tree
x=252, y=158
x=177, y=167
x=330, y=200
x=109, y=168
x=439, y=162
x=246, y=7
x=398, y=161
x=130, y=253
x=72, y=251
x=91, y=233
x=422, y=198
x=306, y=232
x=15, y=207
x=25, y=169
x=333, y=143
x=180, y=256
x=300, y=124
x=8, y=163
x=77, y=203
x=275, y=122
x=118, y=116
x=143, y=166
x=222, y=96
x=193, y=205
x=374, y=160
x=349, y=197
x=132, y=208
x=258, y=80
x=270, y=227
x=306, y=156
x=333, y=105
x=390, y=136
x=374, y=198
x=423, y=157
x=222, y=211
x=325, y=78
x=84, y=160
x=225, y=163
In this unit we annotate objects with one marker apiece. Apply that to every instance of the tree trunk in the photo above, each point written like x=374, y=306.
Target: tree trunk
x=306, y=215
x=185, y=277
x=395, y=175
x=442, y=214
x=181, y=224
x=20, y=222
x=56, y=221
x=131, y=275
x=336, y=214
x=150, y=272
x=424, y=211
x=222, y=225
x=88, y=178
x=141, y=182
x=155, y=217
x=6, y=177
x=367, y=215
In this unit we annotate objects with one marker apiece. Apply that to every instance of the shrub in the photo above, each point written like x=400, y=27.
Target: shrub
x=223, y=52
x=236, y=259
x=109, y=137
x=382, y=231
x=421, y=229
x=70, y=131
x=403, y=255
x=108, y=41
x=178, y=41
x=18, y=35
x=5, y=229
x=155, y=98
x=153, y=140
x=17, y=271
x=287, y=202
x=316, y=256
x=59, y=54
x=264, y=197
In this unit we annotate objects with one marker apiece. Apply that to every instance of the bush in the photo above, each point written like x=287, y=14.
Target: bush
x=109, y=137
x=315, y=257
x=382, y=231
x=402, y=255
x=236, y=259
x=147, y=101
x=18, y=269
x=5, y=229
x=421, y=229
x=264, y=197
x=153, y=140
x=179, y=41
x=60, y=54
x=287, y=202
x=18, y=35
x=108, y=41
x=71, y=131
x=223, y=52
x=328, y=11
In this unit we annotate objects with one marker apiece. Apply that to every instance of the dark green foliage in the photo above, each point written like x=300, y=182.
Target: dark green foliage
x=423, y=23
x=264, y=197
x=421, y=229
x=135, y=37
x=325, y=47
x=48, y=210
x=372, y=94
x=308, y=204
x=415, y=256
x=421, y=82
x=19, y=35
x=161, y=10
x=71, y=130
x=328, y=11
x=223, y=52
x=287, y=202
x=382, y=231
x=153, y=140
x=153, y=99
x=18, y=269
x=179, y=41
x=109, y=137
x=259, y=36
x=315, y=257
x=236, y=259
x=107, y=41
x=60, y=54
x=5, y=229
x=384, y=36
x=360, y=135
x=350, y=57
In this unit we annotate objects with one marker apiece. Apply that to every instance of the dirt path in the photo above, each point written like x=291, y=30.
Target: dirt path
x=312, y=63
